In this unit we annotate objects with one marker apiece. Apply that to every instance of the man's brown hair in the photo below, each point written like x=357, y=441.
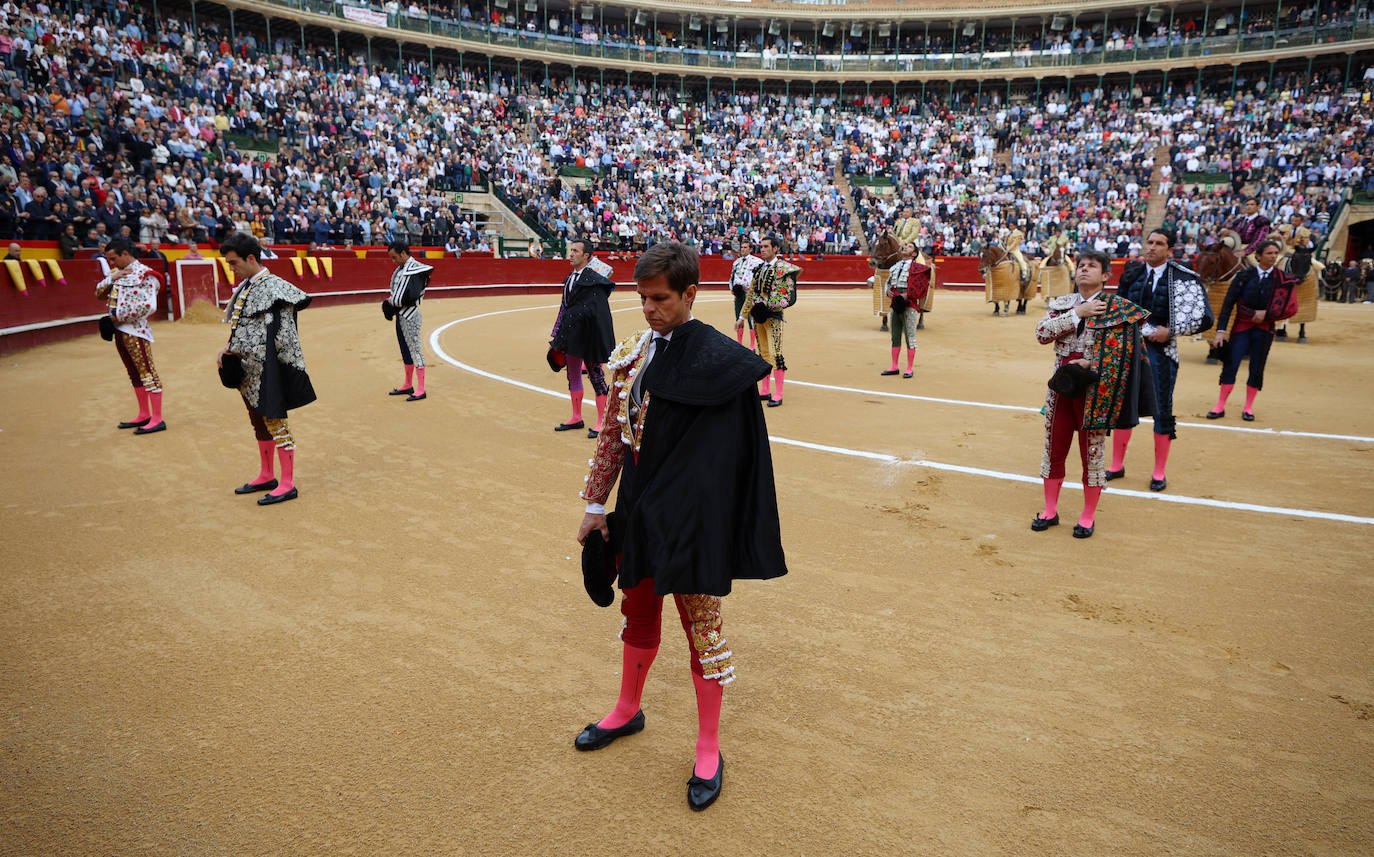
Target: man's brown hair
x=671, y=259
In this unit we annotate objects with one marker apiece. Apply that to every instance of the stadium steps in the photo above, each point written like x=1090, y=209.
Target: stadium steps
x=1154, y=209
x=1350, y=213
x=856, y=226
x=494, y=217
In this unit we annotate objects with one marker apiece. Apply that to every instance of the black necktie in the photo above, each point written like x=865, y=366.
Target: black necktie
x=657, y=346
x=1150, y=286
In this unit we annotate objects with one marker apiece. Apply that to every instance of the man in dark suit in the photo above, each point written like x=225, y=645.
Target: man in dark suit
x=1177, y=303
x=584, y=331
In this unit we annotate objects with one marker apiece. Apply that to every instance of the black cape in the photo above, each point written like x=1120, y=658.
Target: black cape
x=284, y=386
x=587, y=331
x=699, y=506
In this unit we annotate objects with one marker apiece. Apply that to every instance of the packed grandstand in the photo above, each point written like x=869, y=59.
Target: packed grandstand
x=173, y=123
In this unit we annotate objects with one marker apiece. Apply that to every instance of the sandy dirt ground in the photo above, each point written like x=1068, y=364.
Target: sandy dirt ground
x=397, y=662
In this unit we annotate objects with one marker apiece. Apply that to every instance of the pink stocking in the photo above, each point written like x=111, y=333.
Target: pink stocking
x=600, y=411
x=766, y=385
x=753, y=339
x=419, y=380
x=576, y=396
x=1052, y=489
x=142, y=394
x=910, y=360
x=1250, y=394
x=288, y=471
x=739, y=335
x=1221, y=399
x=633, y=672
x=1120, y=438
x=1162, y=442
x=410, y=373
x=1091, y=494
x=154, y=409
x=780, y=375
x=265, y=450
x=709, y=695
x=895, y=351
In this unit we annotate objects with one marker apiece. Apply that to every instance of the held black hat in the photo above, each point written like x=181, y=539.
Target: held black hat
x=107, y=328
x=388, y=311
x=231, y=371
x=557, y=359
x=601, y=563
x=1073, y=381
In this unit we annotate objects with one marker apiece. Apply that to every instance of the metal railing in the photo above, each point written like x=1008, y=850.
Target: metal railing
x=686, y=57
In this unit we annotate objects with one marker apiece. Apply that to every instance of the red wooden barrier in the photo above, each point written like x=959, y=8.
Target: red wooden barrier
x=52, y=312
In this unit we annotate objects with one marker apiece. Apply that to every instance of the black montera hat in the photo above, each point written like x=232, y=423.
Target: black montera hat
x=601, y=562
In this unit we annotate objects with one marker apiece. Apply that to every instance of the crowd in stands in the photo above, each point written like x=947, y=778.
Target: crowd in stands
x=747, y=167
x=1297, y=151
x=1089, y=170
x=975, y=173
x=124, y=125
x=117, y=122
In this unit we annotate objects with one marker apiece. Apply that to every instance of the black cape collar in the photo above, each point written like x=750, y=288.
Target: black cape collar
x=703, y=367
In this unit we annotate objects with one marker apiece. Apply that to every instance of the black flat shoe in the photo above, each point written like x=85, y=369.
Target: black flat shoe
x=1245, y=415
x=1216, y=415
x=1159, y=484
x=255, y=487
x=162, y=426
x=594, y=737
x=570, y=426
x=775, y=403
x=135, y=423
x=763, y=397
x=402, y=391
x=1082, y=532
x=414, y=398
x=702, y=793
x=1040, y=524
x=1115, y=474
x=270, y=499
x=907, y=374
x=593, y=433
x=888, y=372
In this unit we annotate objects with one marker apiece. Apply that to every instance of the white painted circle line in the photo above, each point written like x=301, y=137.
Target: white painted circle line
x=892, y=459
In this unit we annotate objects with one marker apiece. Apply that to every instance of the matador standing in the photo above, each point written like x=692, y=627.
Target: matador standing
x=131, y=289
x=773, y=289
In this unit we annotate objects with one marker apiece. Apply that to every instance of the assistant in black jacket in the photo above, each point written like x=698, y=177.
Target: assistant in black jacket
x=1256, y=295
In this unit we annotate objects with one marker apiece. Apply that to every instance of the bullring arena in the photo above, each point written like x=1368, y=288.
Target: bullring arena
x=397, y=662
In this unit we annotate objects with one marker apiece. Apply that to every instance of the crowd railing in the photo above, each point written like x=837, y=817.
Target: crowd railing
x=1144, y=49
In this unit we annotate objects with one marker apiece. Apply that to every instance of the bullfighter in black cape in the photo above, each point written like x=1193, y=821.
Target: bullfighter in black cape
x=263, y=359
x=697, y=508
x=583, y=333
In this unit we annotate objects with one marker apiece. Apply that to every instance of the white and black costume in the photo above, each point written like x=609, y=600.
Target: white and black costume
x=408, y=284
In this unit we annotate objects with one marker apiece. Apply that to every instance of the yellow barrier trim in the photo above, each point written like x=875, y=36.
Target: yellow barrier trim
x=55, y=269
x=16, y=274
